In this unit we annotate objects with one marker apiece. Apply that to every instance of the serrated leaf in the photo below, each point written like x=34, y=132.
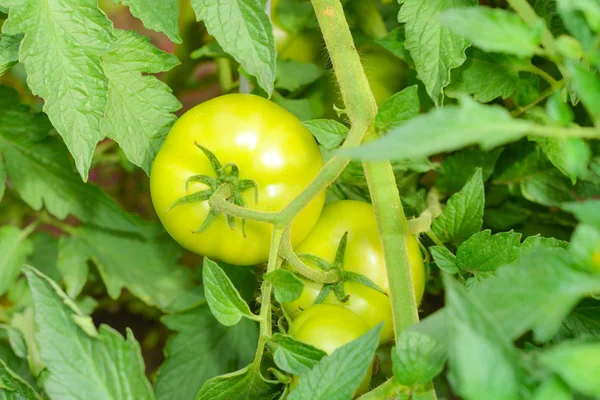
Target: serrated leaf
x=485, y=76
x=459, y=167
x=293, y=356
x=41, y=172
x=541, y=307
x=100, y=363
x=445, y=129
x=399, y=108
x=484, y=252
x=139, y=110
x=577, y=364
x=551, y=189
x=417, y=358
x=538, y=242
x=547, y=10
x=583, y=322
x=292, y=75
x=14, y=249
x=287, y=286
x=463, y=214
x=222, y=297
x=570, y=155
x=483, y=362
x=61, y=49
x=328, y=132
x=493, y=30
x=246, y=33
x=160, y=16
x=13, y=387
x=147, y=267
x=200, y=349
x=444, y=259
x=9, y=51
x=435, y=49
x=337, y=377
x=245, y=384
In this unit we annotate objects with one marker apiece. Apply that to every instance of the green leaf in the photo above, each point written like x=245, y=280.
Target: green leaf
x=577, y=364
x=292, y=75
x=160, y=16
x=444, y=259
x=394, y=43
x=72, y=264
x=554, y=389
x=210, y=50
x=399, y=108
x=41, y=171
x=581, y=19
x=570, y=155
x=14, y=249
x=490, y=367
x=463, y=214
x=588, y=211
x=559, y=112
x=45, y=254
x=139, y=107
x=96, y=370
x=538, y=243
x=494, y=30
x=445, y=129
x=287, y=286
x=61, y=52
x=9, y=51
x=583, y=322
x=13, y=386
x=223, y=298
x=485, y=76
x=484, y=252
x=147, y=267
x=337, y=377
x=547, y=10
x=542, y=306
x=293, y=356
x=2, y=179
x=301, y=108
x=328, y=132
x=551, y=189
x=587, y=87
x=245, y=384
x=246, y=33
x=457, y=168
x=200, y=349
x=434, y=48
x=417, y=358
x=585, y=247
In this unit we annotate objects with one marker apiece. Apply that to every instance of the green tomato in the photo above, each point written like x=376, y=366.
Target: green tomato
x=268, y=144
x=364, y=255
x=329, y=327
x=385, y=72
x=301, y=47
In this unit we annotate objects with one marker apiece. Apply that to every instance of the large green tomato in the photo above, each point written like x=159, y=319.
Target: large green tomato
x=328, y=327
x=364, y=255
x=268, y=144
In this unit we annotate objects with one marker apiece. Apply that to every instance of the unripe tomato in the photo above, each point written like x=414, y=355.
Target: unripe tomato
x=301, y=47
x=328, y=327
x=364, y=255
x=269, y=145
x=385, y=72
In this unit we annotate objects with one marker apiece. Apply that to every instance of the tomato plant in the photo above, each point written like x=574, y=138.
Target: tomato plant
x=186, y=214
x=261, y=148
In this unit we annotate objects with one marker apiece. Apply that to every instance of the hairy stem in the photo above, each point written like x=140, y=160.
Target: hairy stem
x=313, y=274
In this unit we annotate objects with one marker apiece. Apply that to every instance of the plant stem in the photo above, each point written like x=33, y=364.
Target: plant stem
x=554, y=84
x=225, y=77
x=313, y=274
x=266, y=290
x=527, y=14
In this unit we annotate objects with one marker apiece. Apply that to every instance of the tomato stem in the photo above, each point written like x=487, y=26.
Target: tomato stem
x=313, y=274
x=266, y=291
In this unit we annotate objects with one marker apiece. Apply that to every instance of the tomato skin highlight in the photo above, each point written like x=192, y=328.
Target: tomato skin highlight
x=329, y=327
x=268, y=144
x=364, y=255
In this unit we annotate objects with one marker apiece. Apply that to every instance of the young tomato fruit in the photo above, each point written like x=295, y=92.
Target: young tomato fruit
x=363, y=255
x=261, y=149
x=301, y=47
x=328, y=327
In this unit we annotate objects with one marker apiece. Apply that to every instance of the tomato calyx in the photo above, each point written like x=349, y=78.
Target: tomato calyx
x=227, y=184
x=345, y=276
